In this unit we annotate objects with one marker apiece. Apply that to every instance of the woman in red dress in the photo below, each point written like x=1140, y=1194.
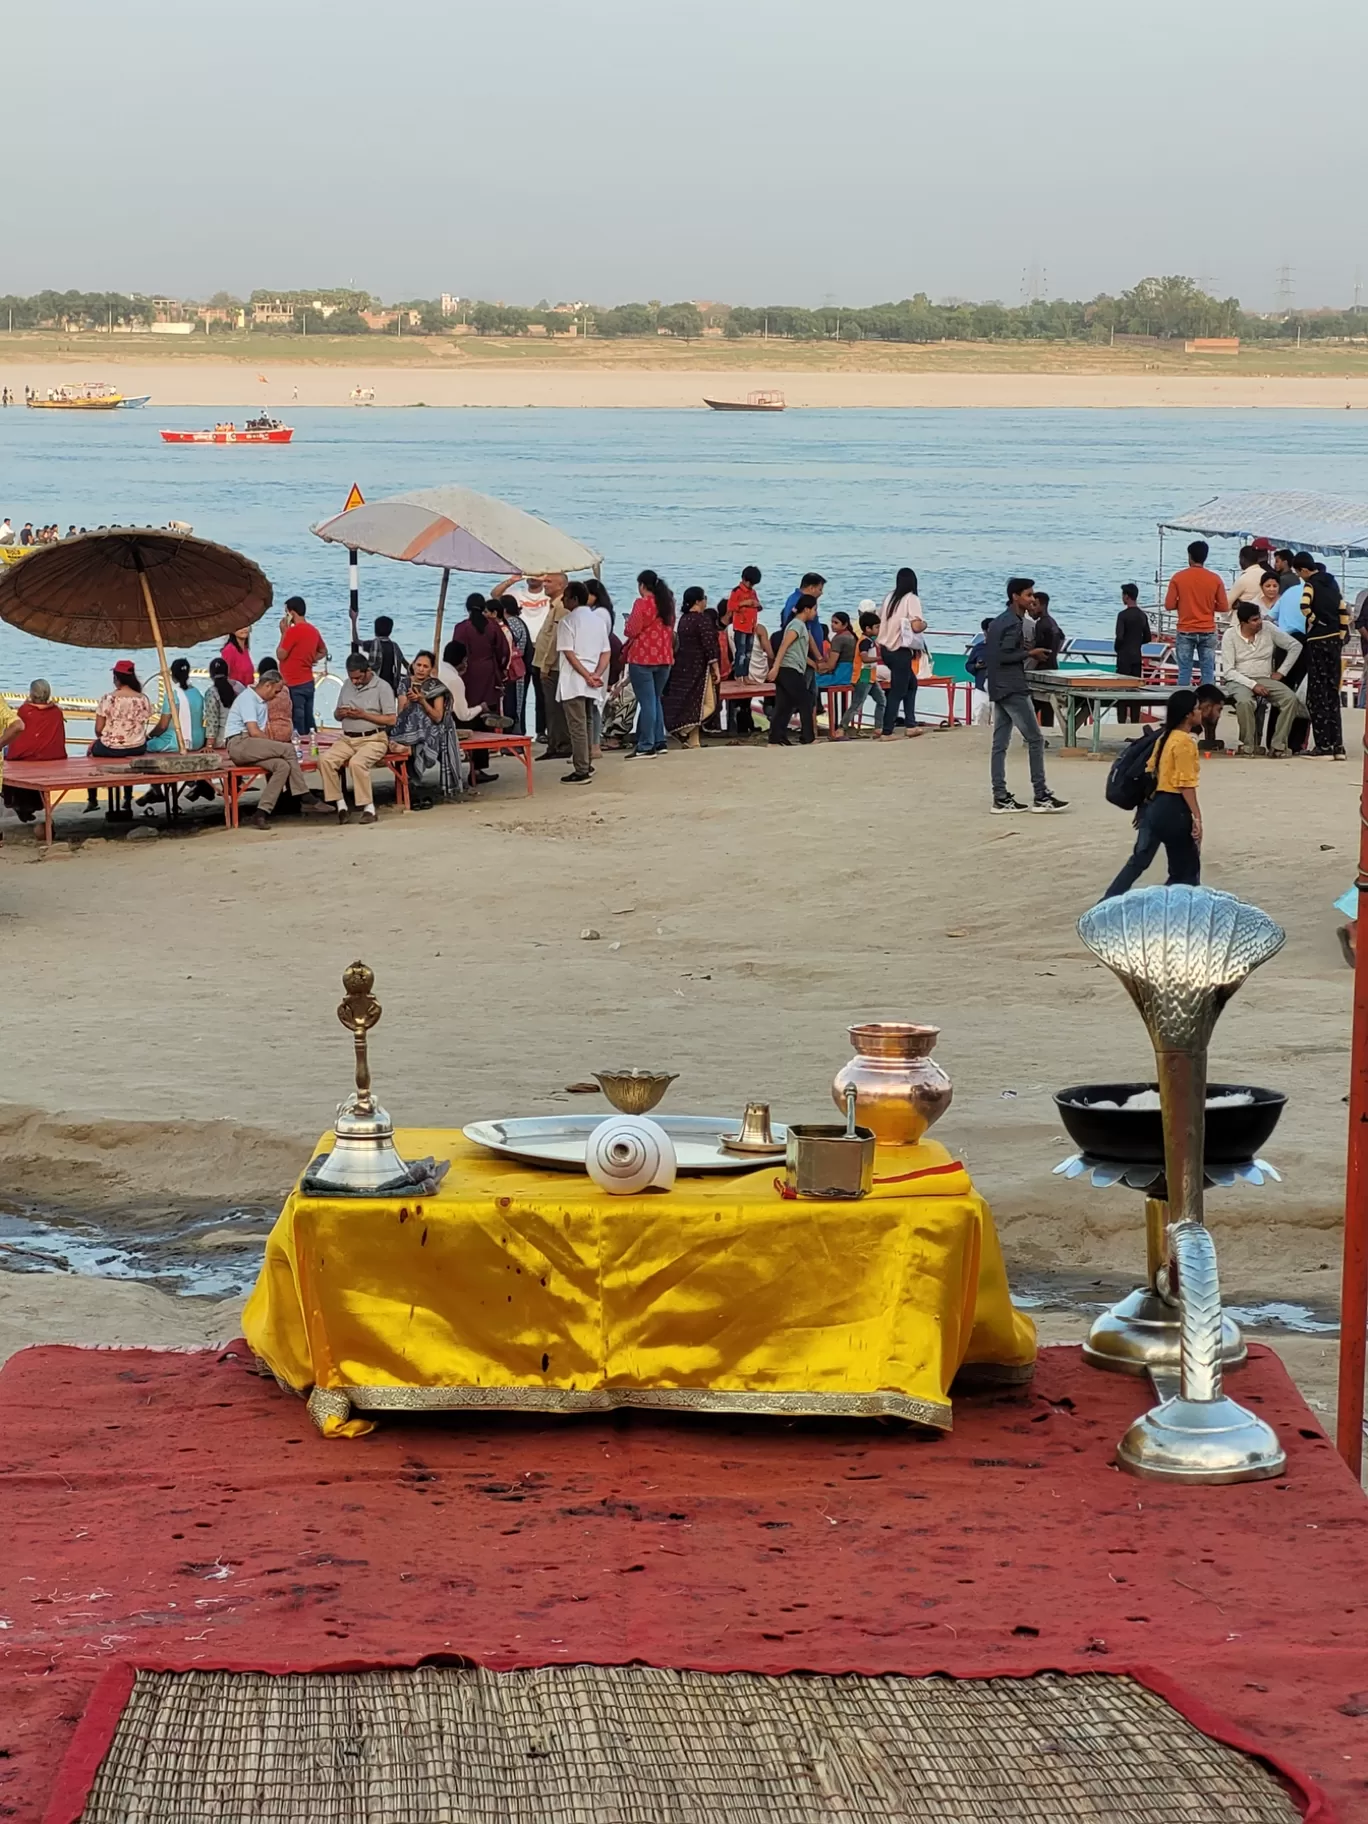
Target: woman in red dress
x=43, y=737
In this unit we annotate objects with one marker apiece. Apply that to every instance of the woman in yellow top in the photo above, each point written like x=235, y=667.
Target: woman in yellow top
x=1171, y=814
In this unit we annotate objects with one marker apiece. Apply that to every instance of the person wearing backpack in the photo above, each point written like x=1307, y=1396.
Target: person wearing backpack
x=1169, y=813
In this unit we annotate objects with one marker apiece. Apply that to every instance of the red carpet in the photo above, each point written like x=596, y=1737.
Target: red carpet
x=178, y=1510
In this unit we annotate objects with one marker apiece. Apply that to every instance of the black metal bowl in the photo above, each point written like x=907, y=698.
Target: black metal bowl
x=1233, y=1134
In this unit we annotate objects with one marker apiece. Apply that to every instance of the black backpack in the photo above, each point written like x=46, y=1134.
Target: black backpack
x=1130, y=783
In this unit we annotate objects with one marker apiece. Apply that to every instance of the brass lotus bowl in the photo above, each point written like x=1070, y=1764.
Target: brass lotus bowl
x=634, y=1092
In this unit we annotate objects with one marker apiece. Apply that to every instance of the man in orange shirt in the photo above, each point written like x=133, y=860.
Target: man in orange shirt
x=1199, y=596
x=301, y=647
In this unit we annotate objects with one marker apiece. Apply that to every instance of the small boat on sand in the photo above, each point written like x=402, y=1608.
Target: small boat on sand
x=764, y=401
x=256, y=430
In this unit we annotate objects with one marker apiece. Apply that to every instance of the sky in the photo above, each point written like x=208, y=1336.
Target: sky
x=752, y=151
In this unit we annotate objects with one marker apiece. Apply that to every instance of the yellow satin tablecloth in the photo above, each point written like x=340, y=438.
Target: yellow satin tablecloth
x=524, y=1290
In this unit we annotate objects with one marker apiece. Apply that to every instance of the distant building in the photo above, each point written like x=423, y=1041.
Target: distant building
x=451, y=305
x=235, y=315
x=276, y=311
x=378, y=320
x=1212, y=345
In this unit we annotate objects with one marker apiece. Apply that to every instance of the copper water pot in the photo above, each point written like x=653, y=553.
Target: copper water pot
x=900, y=1090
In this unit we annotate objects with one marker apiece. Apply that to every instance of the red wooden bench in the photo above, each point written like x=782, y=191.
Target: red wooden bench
x=838, y=696
x=55, y=780
x=245, y=776
x=521, y=745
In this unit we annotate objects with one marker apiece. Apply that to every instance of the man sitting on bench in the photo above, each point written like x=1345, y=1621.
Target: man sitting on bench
x=366, y=710
x=248, y=743
x=1251, y=652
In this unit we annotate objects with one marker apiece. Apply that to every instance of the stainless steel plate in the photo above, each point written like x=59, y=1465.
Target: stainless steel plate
x=558, y=1141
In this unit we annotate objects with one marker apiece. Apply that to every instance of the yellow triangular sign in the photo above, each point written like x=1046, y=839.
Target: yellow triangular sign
x=355, y=499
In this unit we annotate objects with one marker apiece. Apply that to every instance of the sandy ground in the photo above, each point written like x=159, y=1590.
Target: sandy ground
x=170, y=1026
x=457, y=380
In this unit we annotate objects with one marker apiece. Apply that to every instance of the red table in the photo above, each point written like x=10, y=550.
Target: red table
x=55, y=780
x=838, y=695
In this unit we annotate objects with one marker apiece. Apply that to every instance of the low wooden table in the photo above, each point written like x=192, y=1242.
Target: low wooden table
x=838, y=695
x=55, y=780
x=520, y=745
x=1074, y=690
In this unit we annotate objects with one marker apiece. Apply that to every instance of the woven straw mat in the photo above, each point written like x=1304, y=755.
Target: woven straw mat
x=634, y=1745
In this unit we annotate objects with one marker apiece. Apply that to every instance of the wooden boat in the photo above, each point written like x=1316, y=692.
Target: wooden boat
x=256, y=430
x=91, y=397
x=753, y=402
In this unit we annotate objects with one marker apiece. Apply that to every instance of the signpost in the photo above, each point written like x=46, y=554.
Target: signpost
x=354, y=499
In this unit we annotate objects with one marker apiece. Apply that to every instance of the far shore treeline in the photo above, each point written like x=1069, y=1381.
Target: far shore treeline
x=1164, y=309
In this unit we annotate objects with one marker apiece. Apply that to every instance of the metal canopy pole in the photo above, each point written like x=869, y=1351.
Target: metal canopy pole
x=354, y=593
x=1354, y=1273
x=441, y=609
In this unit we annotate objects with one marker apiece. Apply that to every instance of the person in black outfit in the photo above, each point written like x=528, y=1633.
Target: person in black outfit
x=1047, y=642
x=1133, y=634
x=386, y=660
x=1327, y=628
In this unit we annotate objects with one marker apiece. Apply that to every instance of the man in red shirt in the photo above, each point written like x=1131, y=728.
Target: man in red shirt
x=301, y=647
x=1199, y=596
x=744, y=606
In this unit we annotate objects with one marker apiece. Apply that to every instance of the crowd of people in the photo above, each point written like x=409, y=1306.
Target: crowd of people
x=29, y=534
x=1284, y=619
x=678, y=669
x=546, y=654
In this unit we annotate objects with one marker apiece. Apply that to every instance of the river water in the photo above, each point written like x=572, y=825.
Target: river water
x=966, y=497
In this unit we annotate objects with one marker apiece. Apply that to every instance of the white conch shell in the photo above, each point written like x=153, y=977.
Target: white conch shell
x=630, y=1153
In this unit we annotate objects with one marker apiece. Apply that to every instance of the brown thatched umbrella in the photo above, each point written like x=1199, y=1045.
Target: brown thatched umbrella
x=108, y=589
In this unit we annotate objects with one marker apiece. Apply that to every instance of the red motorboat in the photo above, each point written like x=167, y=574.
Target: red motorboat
x=256, y=430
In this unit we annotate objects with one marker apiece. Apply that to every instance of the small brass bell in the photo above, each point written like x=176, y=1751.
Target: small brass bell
x=756, y=1136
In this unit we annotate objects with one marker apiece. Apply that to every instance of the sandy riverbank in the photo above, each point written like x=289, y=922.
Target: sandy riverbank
x=180, y=1029
x=461, y=381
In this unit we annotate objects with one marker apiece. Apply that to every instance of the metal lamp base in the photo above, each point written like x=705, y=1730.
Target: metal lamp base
x=1143, y=1335
x=1201, y=1441
x=363, y=1157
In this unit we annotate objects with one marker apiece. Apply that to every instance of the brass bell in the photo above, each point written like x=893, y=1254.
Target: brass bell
x=757, y=1135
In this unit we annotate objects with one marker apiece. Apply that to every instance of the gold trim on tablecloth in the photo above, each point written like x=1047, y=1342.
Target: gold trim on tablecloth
x=737, y=1401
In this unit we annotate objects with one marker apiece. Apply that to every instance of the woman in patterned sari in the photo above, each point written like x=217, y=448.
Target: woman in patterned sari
x=426, y=725
x=691, y=693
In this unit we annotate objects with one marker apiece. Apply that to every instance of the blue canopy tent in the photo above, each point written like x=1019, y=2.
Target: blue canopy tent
x=1329, y=525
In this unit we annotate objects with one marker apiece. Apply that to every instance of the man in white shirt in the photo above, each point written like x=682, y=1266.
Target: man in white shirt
x=1248, y=584
x=1250, y=656
x=534, y=604
x=583, y=650
x=365, y=713
x=245, y=737
x=7, y=533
